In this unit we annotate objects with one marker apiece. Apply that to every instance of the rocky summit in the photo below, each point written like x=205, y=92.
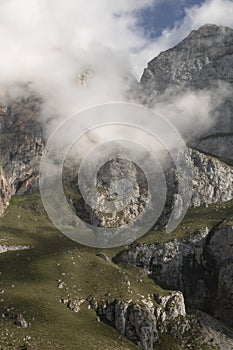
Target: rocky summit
x=165, y=291
x=198, y=62
x=201, y=61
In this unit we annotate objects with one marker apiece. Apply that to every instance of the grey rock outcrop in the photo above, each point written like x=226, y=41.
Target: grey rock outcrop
x=20, y=321
x=166, y=261
x=123, y=184
x=200, y=267
x=141, y=322
x=135, y=322
x=212, y=180
x=73, y=305
x=7, y=248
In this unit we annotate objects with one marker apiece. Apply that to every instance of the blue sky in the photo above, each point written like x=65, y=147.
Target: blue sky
x=164, y=15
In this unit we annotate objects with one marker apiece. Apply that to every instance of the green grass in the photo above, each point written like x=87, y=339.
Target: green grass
x=195, y=219
x=29, y=279
x=167, y=343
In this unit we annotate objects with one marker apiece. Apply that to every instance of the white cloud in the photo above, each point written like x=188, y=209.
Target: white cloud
x=193, y=112
x=34, y=34
x=219, y=12
x=39, y=37
x=48, y=42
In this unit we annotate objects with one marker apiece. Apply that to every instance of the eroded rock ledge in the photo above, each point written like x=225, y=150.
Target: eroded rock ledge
x=201, y=267
x=142, y=323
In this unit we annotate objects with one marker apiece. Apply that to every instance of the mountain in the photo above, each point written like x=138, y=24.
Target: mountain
x=164, y=291
x=205, y=56
x=200, y=62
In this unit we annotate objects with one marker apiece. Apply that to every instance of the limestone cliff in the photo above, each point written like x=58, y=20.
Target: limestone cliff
x=201, y=267
x=212, y=179
x=142, y=323
x=21, y=146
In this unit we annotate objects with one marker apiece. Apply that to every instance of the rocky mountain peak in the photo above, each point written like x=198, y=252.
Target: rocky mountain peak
x=212, y=30
x=206, y=55
x=202, y=61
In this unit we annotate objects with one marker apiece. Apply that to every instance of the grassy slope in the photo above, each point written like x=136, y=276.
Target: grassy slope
x=195, y=219
x=29, y=280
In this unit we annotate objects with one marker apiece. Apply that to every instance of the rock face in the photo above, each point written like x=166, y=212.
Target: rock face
x=200, y=61
x=122, y=183
x=201, y=267
x=219, y=249
x=166, y=261
x=212, y=180
x=135, y=322
x=141, y=323
x=21, y=146
x=205, y=56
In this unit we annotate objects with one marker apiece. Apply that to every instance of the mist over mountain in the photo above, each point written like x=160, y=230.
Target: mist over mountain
x=164, y=291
